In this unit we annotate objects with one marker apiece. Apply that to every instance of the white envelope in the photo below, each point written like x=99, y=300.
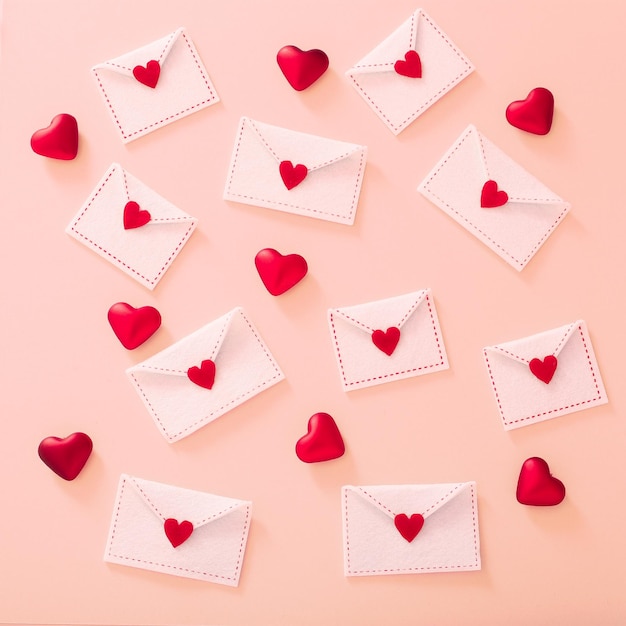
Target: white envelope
x=183, y=86
x=243, y=368
x=447, y=542
x=419, y=350
x=144, y=252
x=214, y=549
x=515, y=230
x=571, y=383
x=398, y=100
x=332, y=185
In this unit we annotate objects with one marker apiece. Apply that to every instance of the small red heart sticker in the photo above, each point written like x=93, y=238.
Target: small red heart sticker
x=59, y=140
x=66, y=457
x=133, y=326
x=386, y=340
x=203, y=376
x=292, y=175
x=411, y=66
x=280, y=273
x=134, y=216
x=323, y=441
x=148, y=75
x=536, y=486
x=544, y=369
x=301, y=67
x=177, y=532
x=491, y=197
x=409, y=527
x=534, y=114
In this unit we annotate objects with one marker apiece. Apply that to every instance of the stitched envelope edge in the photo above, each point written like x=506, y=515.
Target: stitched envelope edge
x=600, y=398
x=148, y=281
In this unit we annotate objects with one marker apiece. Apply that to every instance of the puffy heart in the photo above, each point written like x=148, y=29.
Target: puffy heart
x=279, y=273
x=536, y=486
x=59, y=140
x=491, y=197
x=409, y=527
x=177, y=532
x=386, y=340
x=301, y=67
x=292, y=175
x=135, y=216
x=534, y=114
x=203, y=376
x=66, y=457
x=411, y=66
x=544, y=369
x=148, y=75
x=322, y=442
x=133, y=326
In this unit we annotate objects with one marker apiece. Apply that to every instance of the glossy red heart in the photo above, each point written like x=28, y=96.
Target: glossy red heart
x=66, y=457
x=148, y=75
x=280, y=273
x=203, y=376
x=386, y=340
x=322, y=442
x=491, y=197
x=134, y=216
x=544, y=370
x=409, y=527
x=536, y=486
x=411, y=66
x=177, y=532
x=292, y=175
x=534, y=114
x=301, y=67
x=59, y=140
x=133, y=326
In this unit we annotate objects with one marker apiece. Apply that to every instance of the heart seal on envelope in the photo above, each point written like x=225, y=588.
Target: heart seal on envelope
x=323, y=441
x=491, y=197
x=177, y=532
x=544, y=370
x=536, y=486
x=66, y=457
x=148, y=75
x=301, y=67
x=386, y=341
x=409, y=527
x=411, y=66
x=203, y=376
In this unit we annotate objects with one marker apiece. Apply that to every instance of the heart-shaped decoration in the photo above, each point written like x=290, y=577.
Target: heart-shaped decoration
x=148, y=75
x=386, y=340
x=536, y=486
x=322, y=442
x=301, y=67
x=134, y=216
x=133, y=326
x=409, y=527
x=534, y=114
x=66, y=457
x=59, y=140
x=544, y=370
x=177, y=532
x=411, y=66
x=203, y=376
x=292, y=175
x=279, y=273
x=491, y=197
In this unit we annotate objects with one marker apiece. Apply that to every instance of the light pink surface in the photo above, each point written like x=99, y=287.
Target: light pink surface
x=63, y=369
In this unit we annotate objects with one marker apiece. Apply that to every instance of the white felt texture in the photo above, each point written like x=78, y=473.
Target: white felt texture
x=330, y=190
x=448, y=542
x=144, y=253
x=215, y=549
x=244, y=367
x=399, y=100
x=522, y=398
x=419, y=351
x=184, y=86
x=516, y=230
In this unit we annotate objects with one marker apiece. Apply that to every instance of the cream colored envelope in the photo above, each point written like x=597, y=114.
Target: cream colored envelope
x=242, y=367
x=178, y=531
x=545, y=375
x=329, y=191
x=410, y=529
x=183, y=86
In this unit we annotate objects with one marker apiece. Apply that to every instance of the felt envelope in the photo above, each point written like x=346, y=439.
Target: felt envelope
x=460, y=184
x=205, y=375
x=178, y=531
x=545, y=375
x=409, y=71
x=155, y=85
x=387, y=340
x=132, y=226
x=410, y=529
x=290, y=171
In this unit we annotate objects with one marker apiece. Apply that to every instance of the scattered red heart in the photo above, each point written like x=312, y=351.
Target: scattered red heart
x=279, y=273
x=322, y=442
x=534, y=114
x=66, y=457
x=301, y=67
x=536, y=486
x=133, y=326
x=59, y=140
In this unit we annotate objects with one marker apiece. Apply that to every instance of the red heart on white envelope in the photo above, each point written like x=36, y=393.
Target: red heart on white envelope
x=534, y=114
x=148, y=75
x=133, y=326
x=323, y=441
x=177, y=532
x=536, y=486
x=66, y=457
x=544, y=369
x=386, y=340
x=492, y=197
x=292, y=175
x=409, y=527
x=280, y=273
x=301, y=67
x=59, y=140
x=411, y=66
x=203, y=376
x=134, y=216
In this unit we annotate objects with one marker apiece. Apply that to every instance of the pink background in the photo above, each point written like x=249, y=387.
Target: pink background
x=63, y=369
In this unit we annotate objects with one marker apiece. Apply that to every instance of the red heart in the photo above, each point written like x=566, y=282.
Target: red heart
x=203, y=376
x=59, y=140
x=490, y=198
x=66, y=457
x=279, y=273
x=176, y=532
x=536, y=486
x=292, y=176
x=411, y=66
x=322, y=442
x=134, y=217
x=544, y=370
x=301, y=68
x=534, y=114
x=133, y=326
x=409, y=527
x=386, y=340
x=148, y=75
